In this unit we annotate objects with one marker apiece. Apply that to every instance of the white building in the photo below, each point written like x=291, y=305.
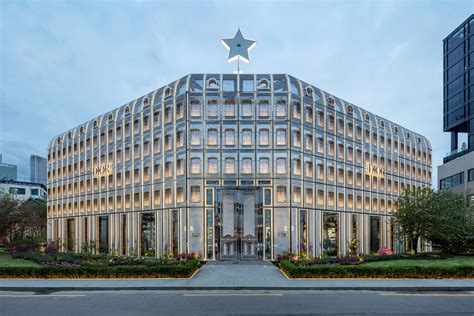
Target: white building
x=234, y=167
x=23, y=191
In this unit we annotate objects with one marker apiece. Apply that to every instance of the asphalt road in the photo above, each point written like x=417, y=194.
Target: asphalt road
x=236, y=303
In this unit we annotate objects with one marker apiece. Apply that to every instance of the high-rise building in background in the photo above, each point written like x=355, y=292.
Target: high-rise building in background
x=457, y=171
x=38, y=169
x=7, y=171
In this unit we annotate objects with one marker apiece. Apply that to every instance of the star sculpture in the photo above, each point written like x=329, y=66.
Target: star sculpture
x=238, y=47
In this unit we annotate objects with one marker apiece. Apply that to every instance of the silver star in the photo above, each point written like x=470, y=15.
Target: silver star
x=238, y=47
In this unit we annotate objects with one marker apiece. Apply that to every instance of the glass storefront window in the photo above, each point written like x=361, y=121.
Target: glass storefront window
x=148, y=235
x=375, y=233
x=330, y=234
x=103, y=234
x=210, y=233
x=268, y=234
x=303, y=234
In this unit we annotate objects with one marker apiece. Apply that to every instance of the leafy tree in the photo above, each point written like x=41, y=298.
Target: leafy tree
x=443, y=217
x=451, y=223
x=8, y=215
x=414, y=209
x=23, y=222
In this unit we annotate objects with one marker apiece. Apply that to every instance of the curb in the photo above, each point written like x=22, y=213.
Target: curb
x=51, y=289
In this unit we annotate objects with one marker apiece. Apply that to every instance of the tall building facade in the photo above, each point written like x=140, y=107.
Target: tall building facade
x=234, y=167
x=8, y=172
x=457, y=171
x=38, y=169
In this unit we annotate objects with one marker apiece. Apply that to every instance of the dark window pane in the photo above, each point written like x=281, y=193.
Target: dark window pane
x=456, y=101
x=455, y=55
x=456, y=70
x=457, y=38
x=456, y=86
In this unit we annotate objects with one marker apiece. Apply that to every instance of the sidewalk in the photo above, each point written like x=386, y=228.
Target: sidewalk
x=214, y=276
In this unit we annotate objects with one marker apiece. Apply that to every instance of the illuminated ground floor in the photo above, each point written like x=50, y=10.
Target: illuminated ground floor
x=239, y=226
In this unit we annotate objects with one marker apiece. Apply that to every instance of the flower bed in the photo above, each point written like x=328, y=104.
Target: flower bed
x=395, y=267
x=69, y=265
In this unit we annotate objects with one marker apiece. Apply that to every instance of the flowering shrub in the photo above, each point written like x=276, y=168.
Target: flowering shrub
x=19, y=248
x=384, y=251
x=125, y=261
x=295, y=258
x=51, y=248
x=188, y=256
x=354, y=246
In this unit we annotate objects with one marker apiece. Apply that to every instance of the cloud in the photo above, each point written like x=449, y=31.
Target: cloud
x=63, y=63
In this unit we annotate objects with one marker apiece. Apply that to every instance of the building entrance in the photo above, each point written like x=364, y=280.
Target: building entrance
x=238, y=225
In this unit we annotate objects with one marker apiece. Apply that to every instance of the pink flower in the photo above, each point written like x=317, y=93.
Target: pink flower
x=385, y=251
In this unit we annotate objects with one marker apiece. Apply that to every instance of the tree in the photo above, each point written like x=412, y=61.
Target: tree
x=451, y=223
x=22, y=222
x=443, y=217
x=414, y=208
x=8, y=215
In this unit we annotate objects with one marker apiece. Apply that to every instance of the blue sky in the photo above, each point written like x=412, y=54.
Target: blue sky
x=65, y=62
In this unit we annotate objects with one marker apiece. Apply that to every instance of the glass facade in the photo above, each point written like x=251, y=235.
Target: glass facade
x=458, y=83
x=297, y=160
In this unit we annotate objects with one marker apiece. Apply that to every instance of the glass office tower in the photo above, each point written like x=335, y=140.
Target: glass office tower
x=458, y=82
x=233, y=167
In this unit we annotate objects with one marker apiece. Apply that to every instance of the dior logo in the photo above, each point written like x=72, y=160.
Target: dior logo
x=103, y=170
x=376, y=171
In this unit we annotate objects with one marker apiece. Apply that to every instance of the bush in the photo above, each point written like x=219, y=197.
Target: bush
x=138, y=271
x=20, y=248
x=361, y=271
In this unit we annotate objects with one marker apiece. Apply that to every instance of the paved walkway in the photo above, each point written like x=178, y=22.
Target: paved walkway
x=214, y=276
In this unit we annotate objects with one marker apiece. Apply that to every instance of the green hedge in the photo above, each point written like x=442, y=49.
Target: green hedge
x=362, y=271
x=157, y=271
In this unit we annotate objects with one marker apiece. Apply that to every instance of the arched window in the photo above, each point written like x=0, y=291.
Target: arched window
x=367, y=117
x=212, y=84
x=127, y=110
x=111, y=117
x=309, y=91
x=146, y=101
x=382, y=124
x=331, y=101
x=349, y=110
x=263, y=84
x=168, y=91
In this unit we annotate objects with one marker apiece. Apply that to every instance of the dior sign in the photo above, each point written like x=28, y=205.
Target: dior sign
x=375, y=171
x=101, y=171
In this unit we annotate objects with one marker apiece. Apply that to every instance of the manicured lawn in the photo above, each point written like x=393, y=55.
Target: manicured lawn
x=450, y=262
x=6, y=260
